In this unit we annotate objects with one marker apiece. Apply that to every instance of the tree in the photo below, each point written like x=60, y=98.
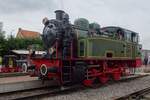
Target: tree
x=11, y=43
x=2, y=43
x=17, y=43
x=2, y=35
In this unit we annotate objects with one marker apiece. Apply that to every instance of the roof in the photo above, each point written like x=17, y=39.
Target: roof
x=116, y=28
x=26, y=52
x=27, y=34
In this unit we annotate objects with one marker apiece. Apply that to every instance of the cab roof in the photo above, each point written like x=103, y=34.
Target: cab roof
x=115, y=28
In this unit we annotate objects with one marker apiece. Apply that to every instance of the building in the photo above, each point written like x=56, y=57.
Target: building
x=22, y=54
x=27, y=34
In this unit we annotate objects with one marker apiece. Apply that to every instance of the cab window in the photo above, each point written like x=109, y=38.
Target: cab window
x=128, y=37
x=82, y=48
x=134, y=37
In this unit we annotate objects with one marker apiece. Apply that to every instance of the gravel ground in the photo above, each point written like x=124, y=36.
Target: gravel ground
x=109, y=92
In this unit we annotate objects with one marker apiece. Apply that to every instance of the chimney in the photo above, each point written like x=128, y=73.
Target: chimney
x=59, y=14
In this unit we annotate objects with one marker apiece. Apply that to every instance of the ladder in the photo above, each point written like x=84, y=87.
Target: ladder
x=66, y=73
x=67, y=49
x=66, y=56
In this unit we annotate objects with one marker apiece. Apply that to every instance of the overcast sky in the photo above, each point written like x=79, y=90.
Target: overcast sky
x=28, y=14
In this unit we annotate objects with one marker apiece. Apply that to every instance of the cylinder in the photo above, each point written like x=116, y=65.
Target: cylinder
x=44, y=69
x=59, y=14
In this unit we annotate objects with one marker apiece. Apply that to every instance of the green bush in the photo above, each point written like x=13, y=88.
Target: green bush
x=12, y=43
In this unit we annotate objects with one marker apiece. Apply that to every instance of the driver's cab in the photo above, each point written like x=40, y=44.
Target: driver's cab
x=113, y=32
x=131, y=36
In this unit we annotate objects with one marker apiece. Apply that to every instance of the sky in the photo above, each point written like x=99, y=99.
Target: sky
x=28, y=14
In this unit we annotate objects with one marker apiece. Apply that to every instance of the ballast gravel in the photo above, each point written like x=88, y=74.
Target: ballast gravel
x=108, y=92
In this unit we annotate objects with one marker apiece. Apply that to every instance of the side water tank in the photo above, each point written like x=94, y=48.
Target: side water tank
x=82, y=23
x=94, y=26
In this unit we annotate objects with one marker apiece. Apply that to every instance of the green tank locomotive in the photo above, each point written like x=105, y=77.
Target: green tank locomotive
x=84, y=52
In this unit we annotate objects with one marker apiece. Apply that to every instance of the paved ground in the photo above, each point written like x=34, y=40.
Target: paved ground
x=146, y=69
x=10, y=84
x=16, y=79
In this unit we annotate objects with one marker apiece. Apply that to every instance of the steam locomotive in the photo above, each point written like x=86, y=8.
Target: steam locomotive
x=83, y=52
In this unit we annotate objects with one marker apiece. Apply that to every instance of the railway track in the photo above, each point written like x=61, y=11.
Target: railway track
x=33, y=93
x=124, y=79
x=138, y=95
x=51, y=91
